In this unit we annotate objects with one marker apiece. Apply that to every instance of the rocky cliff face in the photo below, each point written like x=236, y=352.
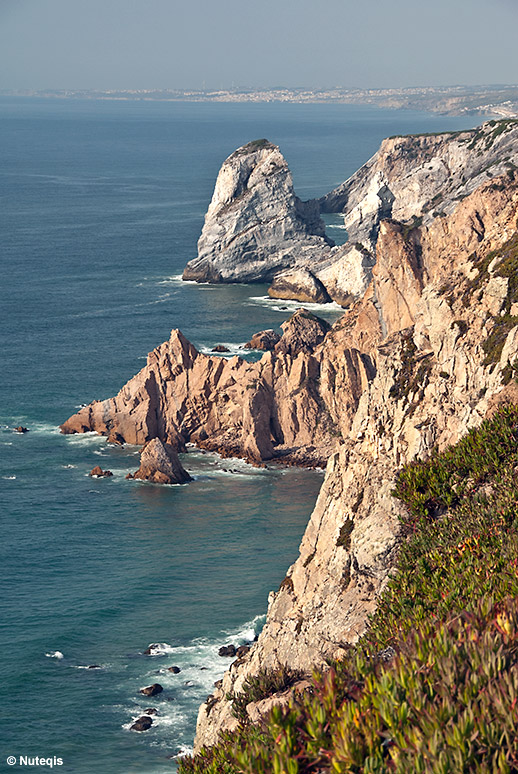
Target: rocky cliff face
x=417, y=362
x=257, y=229
x=431, y=345
x=269, y=409
x=255, y=225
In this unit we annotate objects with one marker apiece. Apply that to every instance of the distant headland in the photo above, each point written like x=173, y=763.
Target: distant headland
x=494, y=100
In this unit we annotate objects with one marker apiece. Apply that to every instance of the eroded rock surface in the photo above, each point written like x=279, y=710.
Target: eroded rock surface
x=160, y=464
x=256, y=225
x=411, y=366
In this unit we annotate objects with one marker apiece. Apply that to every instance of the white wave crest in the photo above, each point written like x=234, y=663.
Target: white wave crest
x=56, y=654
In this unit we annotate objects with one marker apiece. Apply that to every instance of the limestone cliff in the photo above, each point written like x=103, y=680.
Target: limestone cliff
x=255, y=225
x=415, y=363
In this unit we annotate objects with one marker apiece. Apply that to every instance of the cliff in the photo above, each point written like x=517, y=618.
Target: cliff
x=257, y=230
x=438, y=326
x=429, y=348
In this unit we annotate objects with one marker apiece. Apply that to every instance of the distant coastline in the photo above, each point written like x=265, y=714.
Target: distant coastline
x=491, y=101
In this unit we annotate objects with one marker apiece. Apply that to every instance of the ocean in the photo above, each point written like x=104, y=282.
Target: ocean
x=101, y=206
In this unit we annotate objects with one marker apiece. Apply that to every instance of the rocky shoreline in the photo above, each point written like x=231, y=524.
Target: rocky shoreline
x=426, y=348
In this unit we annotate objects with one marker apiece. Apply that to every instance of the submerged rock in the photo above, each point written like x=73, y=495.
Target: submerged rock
x=160, y=464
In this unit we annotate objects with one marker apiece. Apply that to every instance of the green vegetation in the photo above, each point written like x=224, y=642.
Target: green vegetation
x=261, y=686
x=432, y=687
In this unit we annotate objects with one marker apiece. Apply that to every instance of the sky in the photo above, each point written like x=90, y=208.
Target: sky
x=195, y=44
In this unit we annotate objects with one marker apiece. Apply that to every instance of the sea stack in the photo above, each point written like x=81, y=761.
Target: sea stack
x=160, y=464
x=256, y=226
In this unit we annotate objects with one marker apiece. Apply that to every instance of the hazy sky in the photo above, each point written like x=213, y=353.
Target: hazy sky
x=139, y=44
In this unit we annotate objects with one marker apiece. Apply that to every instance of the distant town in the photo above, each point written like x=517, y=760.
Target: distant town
x=491, y=101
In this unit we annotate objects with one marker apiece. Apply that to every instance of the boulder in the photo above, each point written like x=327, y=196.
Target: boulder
x=21, y=429
x=152, y=690
x=98, y=472
x=242, y=650
x=151, y=711
x=299, y=285
x=220, y=348
x=227, y=650
x=303, y=332
x=174, y=669
x=143, y=723
x=264, y=340
x=160, y=464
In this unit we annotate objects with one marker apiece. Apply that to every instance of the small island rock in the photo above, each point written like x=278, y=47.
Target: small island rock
x=152, y=690
x=98, y=472
x=159, y=463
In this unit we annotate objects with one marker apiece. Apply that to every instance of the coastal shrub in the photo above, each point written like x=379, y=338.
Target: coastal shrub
x=432, y=686
x=261, y=686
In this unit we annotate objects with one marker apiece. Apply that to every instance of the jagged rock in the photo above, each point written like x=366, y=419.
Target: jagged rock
x=220, y=348
x=428, y=311
x=116, y=439
x=160, y=464
x=255, y=225
x=299, y=285
x=143, y=723
x=303, y=332
x=152, y=690
x=264, y=340
x=242, y=650
x=237, y=408
x=98, y=472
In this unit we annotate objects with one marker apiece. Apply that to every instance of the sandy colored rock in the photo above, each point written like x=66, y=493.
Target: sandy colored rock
x=264, y=340
x=160, y=464
x=299, y=285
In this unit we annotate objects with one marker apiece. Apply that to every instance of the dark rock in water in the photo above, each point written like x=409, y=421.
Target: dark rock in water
x=115, y=438
x=159, y=463
x=242, y=650
x=130, y=475
x=151, y=711
x=98, y=472
x=204, y=669
x=174, y=669
x=227, y=650
x=21, y=429
x=143, y=723
x=94, y=666
x=220, y=348
x=264, y=340
x=152, y=690
x=188, y=683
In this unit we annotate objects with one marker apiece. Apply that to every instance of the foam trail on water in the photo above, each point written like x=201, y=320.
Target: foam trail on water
x=280, y=305
x=56, y=654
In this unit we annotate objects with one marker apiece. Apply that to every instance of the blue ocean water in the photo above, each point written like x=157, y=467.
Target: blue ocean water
x=101, y=207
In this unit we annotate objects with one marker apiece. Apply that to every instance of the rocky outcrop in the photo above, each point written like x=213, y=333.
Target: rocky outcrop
x=264, y=340
x=259, y=411
x=300, y=285
x=257, y=230
x=160, y=464
x=255, y=225
x=416, y=363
